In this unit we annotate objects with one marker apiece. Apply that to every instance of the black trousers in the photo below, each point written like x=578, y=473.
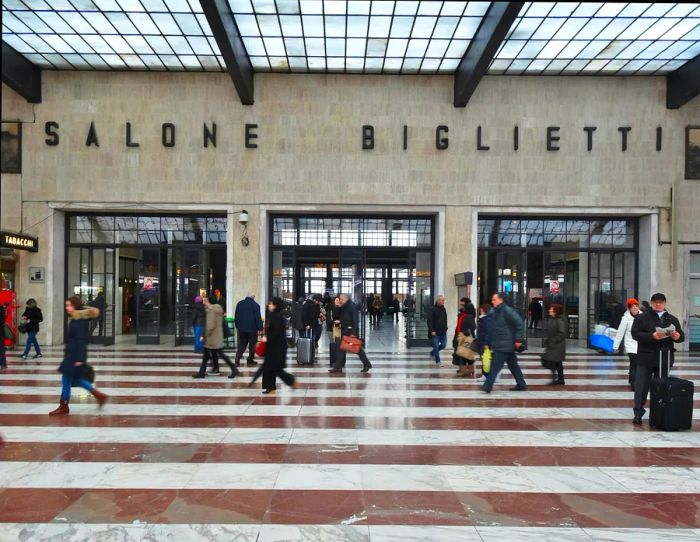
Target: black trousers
x=249, y=339
x=214, y=355
x=341, y=355
x=631, y=375
x=642, y=381
x=269, y=379
x=557, y=368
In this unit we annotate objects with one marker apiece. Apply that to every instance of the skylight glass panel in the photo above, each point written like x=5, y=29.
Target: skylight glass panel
x=599, y=37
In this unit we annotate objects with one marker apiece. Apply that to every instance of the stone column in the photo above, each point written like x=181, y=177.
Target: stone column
x=459, y=238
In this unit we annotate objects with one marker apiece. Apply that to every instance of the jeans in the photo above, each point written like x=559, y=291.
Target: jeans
x=31, y=341
x=439, y=343
x=500, y=359
x=67, y=382
x=198, y=344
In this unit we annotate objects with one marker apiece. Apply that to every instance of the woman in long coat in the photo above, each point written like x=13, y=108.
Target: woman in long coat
x=275, y=348
x=554, y=343
x=72, y=367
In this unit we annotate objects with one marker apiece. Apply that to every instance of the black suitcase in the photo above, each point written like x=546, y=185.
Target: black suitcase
x=671, y=401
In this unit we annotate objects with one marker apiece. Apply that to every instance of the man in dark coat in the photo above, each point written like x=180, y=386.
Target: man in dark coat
x=311, y=315
x=348, y=317
x=437, y=328
x=248, y=325
x=655, y=331
x=506, y=335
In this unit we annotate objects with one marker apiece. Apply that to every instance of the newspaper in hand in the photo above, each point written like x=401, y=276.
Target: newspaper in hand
x=668, y=331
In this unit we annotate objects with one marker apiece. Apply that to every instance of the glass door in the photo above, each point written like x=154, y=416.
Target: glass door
x=191, y=276
x=420, y=297
x=91, y=274
x=148, y=298
x=352, y=265
x=283, y=266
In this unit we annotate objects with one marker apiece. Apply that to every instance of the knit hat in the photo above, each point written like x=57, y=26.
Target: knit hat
x=198, y=299
x=632, y=301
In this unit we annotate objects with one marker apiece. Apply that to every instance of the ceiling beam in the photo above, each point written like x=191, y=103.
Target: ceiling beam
x=483, y=48
x=683, y=84
x=230, y=43
x=21, y=75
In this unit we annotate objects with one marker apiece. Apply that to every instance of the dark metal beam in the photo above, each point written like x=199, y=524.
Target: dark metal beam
x=683, y=84
x=230, y=43
x=21, y=75
x=488, y=38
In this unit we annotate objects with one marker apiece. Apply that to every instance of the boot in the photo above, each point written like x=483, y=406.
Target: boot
x=62, y=409
x=101, y=397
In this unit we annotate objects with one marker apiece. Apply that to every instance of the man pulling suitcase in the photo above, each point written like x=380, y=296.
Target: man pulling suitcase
x=655, y=331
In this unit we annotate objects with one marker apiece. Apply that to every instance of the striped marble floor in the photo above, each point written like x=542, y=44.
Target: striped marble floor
x=407, y=452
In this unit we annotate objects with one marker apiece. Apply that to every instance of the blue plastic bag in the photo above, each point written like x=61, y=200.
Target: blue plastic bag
x=602, y=342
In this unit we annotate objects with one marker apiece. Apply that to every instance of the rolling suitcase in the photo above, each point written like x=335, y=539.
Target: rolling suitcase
x=305, y=350
x=671, y=401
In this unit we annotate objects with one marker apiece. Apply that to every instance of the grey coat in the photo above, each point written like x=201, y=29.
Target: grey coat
x=554, y=341
x=214, y=329
x=505, y=329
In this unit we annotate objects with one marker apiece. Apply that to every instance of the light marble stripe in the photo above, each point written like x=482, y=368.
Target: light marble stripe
x=286, y=393
x=21, y=474
x=345, y=532
x=329, y=411
x=352, y=437
x=353, y=376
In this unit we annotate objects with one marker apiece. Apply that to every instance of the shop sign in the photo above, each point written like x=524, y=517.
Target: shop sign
x=18, y=241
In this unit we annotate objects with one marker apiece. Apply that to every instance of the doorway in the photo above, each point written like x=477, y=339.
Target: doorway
x=385, y=258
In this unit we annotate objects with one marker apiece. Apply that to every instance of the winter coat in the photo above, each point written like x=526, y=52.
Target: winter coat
x=349, y=317
x=624, y=332
x=311, y=313
x=466, y=324
x=482, y=331
x=554, y=341
x=33, y=314
x=248, y=319
x=298, y=316
x=77, y=340
x=648, y=347
x=199, y=315
x=437, y=320
x=506, y=328
x=214, y=328
x=276, y=348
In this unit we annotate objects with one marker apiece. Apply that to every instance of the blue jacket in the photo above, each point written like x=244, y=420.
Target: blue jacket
x=247, y=316
x=482, y=331
x=506, y=327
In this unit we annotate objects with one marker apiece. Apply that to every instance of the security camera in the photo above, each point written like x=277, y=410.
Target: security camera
x=243, y=218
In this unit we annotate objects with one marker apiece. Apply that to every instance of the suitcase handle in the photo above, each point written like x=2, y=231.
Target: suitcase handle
x=661, y=355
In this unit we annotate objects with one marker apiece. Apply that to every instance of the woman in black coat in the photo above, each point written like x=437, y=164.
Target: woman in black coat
x=72, y=367
x=275, y=348
x=554, y=343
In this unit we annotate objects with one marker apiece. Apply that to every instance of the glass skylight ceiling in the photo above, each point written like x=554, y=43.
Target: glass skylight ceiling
x=111, y=34
x=600, y=38
x=356, y=36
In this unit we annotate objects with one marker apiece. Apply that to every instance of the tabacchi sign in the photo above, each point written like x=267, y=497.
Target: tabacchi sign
x=18, y=241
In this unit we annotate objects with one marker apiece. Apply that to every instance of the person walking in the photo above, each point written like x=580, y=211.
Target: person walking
x=249, y=325
x=396, y=305
x=378, y=309
x=275, y=349
x=199, y=320
x=214, y=341
x=535, y=309
x=437, y=328
x=506, y=335
x=466, y=326
x=482, y=337
x=311, y=315
x=624, y=336
x=31, y=318
x=4, y=329
x=554, y=343
x=348, y=318
x=100, y=303
x=655, y=331
x=72, y=367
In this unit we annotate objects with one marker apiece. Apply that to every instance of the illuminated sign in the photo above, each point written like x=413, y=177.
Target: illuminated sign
x=18, y=241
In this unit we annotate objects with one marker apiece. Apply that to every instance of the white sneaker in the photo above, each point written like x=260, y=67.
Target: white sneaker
x=482, y=378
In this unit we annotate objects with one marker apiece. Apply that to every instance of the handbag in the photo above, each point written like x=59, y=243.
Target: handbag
x=464, y=350
x=486, y=360
x=336, y=331
x=350, y=343
x=22, y=328
x=261, y=348
x=88, y=373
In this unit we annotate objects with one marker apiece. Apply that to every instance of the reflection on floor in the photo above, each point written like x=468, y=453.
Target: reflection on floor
x=406, y=452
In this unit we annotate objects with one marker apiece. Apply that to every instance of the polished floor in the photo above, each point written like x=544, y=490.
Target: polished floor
x=407, y=452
